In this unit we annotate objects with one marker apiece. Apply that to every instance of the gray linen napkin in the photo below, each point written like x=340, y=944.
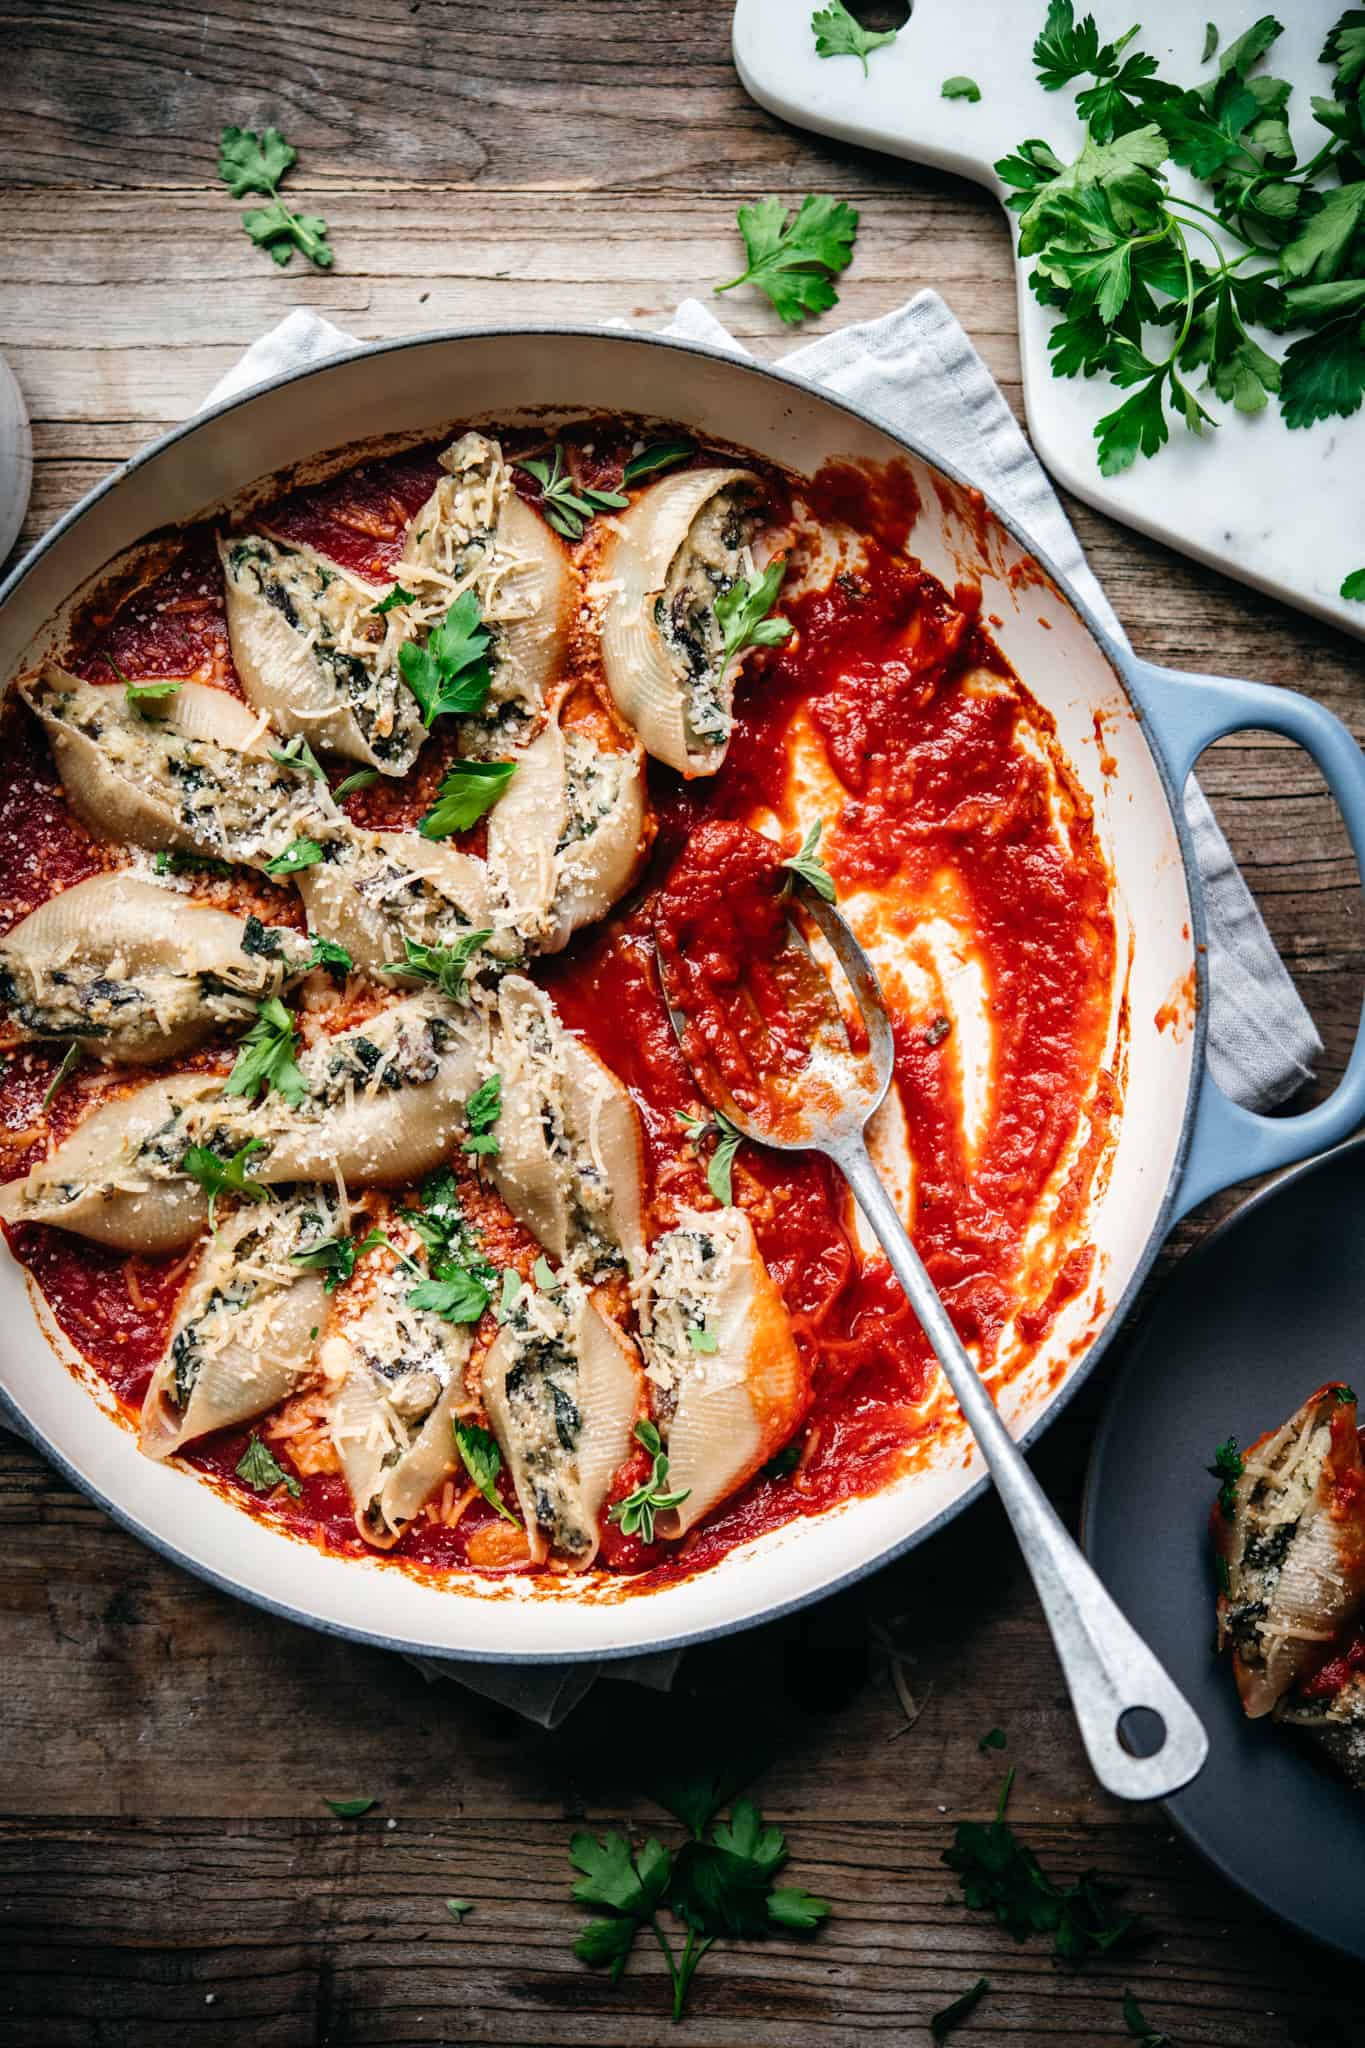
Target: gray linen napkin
x=916, y=370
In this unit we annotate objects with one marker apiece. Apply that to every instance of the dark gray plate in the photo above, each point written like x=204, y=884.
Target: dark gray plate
x=1267, y=1308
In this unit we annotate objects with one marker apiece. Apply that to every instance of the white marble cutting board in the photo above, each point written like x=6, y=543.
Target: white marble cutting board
x=1283, y=511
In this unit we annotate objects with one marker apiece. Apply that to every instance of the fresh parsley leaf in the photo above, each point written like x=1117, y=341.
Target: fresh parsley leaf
x=329, y=954
x=457, y=1908
x=481, y=1112
x=660, y=456
x=450, y=672
x=994, y=1738
x=265, y=940
x=362, y=779
x=1139, y=2027
x=701, y=1338
x=336, y=1258
x=350, y=1809
x=478, y=1449
x=839, y=34
x=543, y=1273
x=942, y=2023
x=1323, y=375
x=960, y=88
x=696, y=1799
x=796, y=1910
x=743, y=611
x=606, y=1944
x=448, y=968
x=218, y=1176
x=1210, y=42
x=567, y=504
x=139, y=695
x=1315, y=254
x=175, y=863
x=1228, y=1466
x=256, y=163
x=511, y=1288
x=467, y=790
x=299, y=854
x=717, y=1893
x=267, y=1057
x=635, y=1514
x=784, y=1464
x=792, y=261
x=451, y=1292
x=720, y=1167
x=70, y=1060
x=261, y=1470
x=298, y=755
x=391, y=598
x=809, y=865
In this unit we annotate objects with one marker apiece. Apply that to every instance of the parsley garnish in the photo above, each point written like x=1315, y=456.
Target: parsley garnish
x=567, y=504
x=256, y=163
x=1139, y=2027
x=262, y=1470
x=362, y=779
x=335, y=1257
x=298, y=755
x=838, y=34
x=994, y=1738
x=1353, y=586
x=636, y=1512
x=718, y=1883
x=809, y=865
x=218, y=1176
x=481, y=1112
x=327, y=953
x=266, y=1059
x=792, y=261
x=742, y=613
x=543, y=1273
x=350, y=1809
x=999, y=1876
x=300, y=853
x=702, y=1338
x=784, y=1464
x=942, y=2023
x=1227, y=1465
x=71, y=1059
x=457, y=1908
x=1345, y=1396
x=450, y=673
x=451, y=1292
x=662, y=455
x=961, y=88
x=467, y=790
x=511, y=1288
x=172, y=863
x=138, y=694
x=720, y=1167
x=446, y=967
x=478, y=1449
x=395, y=596
x=1210, y=41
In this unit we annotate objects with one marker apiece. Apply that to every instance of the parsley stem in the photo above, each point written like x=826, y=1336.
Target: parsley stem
x=1187, y=322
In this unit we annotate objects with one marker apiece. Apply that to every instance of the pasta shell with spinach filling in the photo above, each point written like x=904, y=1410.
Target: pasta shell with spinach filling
x=1336, y=1722
x=682, y=544
x=117, y=1178
x=728, y=1383
x=562, y=1389
x=384, y=1102
x=475, y=534
x=567, y=837
x=136, y=972
x=1292, y=1542
x=384, y=887
x=396, y=1379
x=194, y=773
x=315, y=656
x=569, y=1160
x=244, y=1335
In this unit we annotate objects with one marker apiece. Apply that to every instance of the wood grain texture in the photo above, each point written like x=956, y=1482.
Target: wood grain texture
x=168, y=1869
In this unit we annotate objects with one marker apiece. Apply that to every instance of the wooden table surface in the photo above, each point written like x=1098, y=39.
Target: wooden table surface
x=168, y=1870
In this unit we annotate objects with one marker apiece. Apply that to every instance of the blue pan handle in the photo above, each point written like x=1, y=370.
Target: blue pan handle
x=1185, y=713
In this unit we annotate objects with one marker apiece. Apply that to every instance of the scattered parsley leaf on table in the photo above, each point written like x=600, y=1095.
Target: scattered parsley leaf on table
x=808, y=864
x=994, y=1738
x=961, y=88
x=256, y=163
x=457, y=1908
x=1136, y=2022
x=942, y=2023
x=449, y=672
x=839, y=34
x=467, y=790
x=1210, y=42
x=350, y=1809
x=1353, y=586
x=225, y=1176
x=793, y=260
x=482, y=1460
x=262, y=1470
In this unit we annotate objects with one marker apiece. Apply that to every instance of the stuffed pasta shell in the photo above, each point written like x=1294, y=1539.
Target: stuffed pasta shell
x=315, y=656
x=1289, y=1528
x=385, y=887
x=119, y=1176
x=196, y=773
x=728, y=1385
x=1333, y=1714
x=562, y=1389
x=136, y=972
x=244, y=1336
x=684, y=542
x=569, y=1162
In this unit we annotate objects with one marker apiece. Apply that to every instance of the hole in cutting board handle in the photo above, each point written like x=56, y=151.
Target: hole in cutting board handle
x=1142, y=1731
x=880, y=14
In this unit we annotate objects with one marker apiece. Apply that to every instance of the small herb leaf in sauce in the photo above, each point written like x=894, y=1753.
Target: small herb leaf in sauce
x=446, y=967
x=351, y=1809
x=266, y=1059
x=466, y=792
x=262, y=1470
x=809, y=865
x=299, y=854
x=225, y=1176
x=650, y=461
x=394, y=597
x=449, y=674
x=71, y=1059
x=478, y=1449
x=298, y=755
x=256, y=163
x=1139, y=2027
x=1227, y=1466
x=721, y=1165
x=839, y=34
x=942, y=2023
x=142, y=696
x=792, y=261
x=743, y=612
x=960, y=88
x=362, y=779
x=481, y=1113
x=635, y=1514
x=335, y=1257
x=784, y=1464
x=567, y=504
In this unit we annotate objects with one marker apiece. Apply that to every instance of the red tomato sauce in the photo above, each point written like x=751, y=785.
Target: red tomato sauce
x=944, y=766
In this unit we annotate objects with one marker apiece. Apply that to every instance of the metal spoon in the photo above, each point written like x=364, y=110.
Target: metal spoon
x=824, y=1105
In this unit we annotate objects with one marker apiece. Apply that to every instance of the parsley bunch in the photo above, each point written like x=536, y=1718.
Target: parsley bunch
x=719, y=1883
x=256, y=163
x=1118, y=253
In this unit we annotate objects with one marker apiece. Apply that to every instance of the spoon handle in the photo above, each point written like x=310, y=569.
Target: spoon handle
x=1109, y=1670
